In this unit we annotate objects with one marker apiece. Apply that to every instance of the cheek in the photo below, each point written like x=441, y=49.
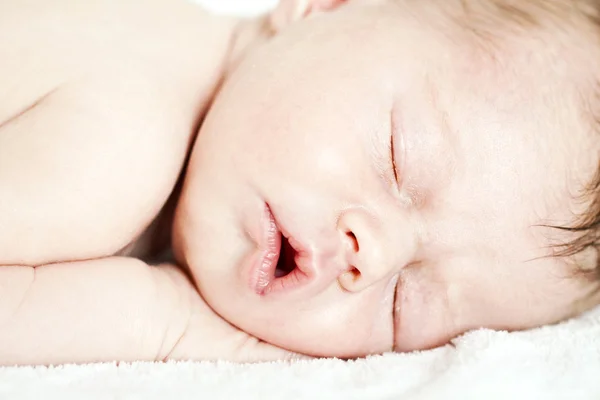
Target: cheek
x=326, y=325
x=295, y=163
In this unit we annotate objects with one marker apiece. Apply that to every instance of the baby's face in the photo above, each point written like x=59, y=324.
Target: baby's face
x=398, y=176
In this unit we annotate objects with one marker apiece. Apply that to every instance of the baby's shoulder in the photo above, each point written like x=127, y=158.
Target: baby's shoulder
x=136, y=47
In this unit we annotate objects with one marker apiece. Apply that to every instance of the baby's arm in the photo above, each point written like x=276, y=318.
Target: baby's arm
x=98, y=106
x=83, y=171
x=113, y=309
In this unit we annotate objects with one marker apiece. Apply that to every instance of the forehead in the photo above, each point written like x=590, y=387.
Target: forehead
x=533, y=93
x=488, y=44
x=513, y=107
x=515, y=95
x=536, y=77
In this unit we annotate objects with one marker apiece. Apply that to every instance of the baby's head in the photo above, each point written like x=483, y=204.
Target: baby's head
x=429, y=167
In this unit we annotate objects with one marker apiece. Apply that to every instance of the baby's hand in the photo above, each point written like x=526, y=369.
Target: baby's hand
x=114, y=309
x=210, y=337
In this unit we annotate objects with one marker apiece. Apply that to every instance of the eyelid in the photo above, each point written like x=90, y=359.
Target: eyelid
x=396, y=147
x=393, y=157
x=395, y=313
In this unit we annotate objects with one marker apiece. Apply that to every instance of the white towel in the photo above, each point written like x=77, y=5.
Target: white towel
x=557, y=362
x=238, y=7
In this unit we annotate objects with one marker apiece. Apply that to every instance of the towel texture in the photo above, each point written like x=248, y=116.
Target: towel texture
x=558, y=362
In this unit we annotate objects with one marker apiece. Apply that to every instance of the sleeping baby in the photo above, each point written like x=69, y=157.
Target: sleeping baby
x=337, y=178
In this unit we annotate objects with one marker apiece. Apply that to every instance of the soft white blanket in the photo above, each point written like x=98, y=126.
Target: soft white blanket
x=559, y=362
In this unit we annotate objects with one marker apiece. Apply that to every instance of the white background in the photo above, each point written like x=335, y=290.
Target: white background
x=240, y=7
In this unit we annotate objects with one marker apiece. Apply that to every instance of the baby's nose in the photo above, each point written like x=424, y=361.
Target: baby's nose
x=375, y=248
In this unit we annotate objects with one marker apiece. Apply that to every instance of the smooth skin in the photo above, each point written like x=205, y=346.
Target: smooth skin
x=413, y=172
x=413, y=152
x=99, y=103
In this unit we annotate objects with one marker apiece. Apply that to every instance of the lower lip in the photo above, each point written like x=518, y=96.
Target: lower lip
x=264, y=262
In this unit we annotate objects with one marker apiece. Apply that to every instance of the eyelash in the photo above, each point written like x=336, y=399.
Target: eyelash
x=393, y=158
x=394, y=312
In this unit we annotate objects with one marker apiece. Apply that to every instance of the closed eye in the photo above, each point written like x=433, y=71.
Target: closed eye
x=393, y=158
x=395, y=315
x=393, y=149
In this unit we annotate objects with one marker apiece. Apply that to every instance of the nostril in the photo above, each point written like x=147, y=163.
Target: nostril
x=353, y=241
x=353, y=274
x=349, y=279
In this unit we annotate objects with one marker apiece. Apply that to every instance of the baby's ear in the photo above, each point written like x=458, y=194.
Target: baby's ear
x=290, y=11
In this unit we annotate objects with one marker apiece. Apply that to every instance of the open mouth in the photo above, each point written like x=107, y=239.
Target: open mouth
x=286, y=263
x=276, y=269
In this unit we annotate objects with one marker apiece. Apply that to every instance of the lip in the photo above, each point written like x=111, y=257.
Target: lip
x=263, y=262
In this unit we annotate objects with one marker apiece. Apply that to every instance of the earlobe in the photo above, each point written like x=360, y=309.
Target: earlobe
x=289, y=11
